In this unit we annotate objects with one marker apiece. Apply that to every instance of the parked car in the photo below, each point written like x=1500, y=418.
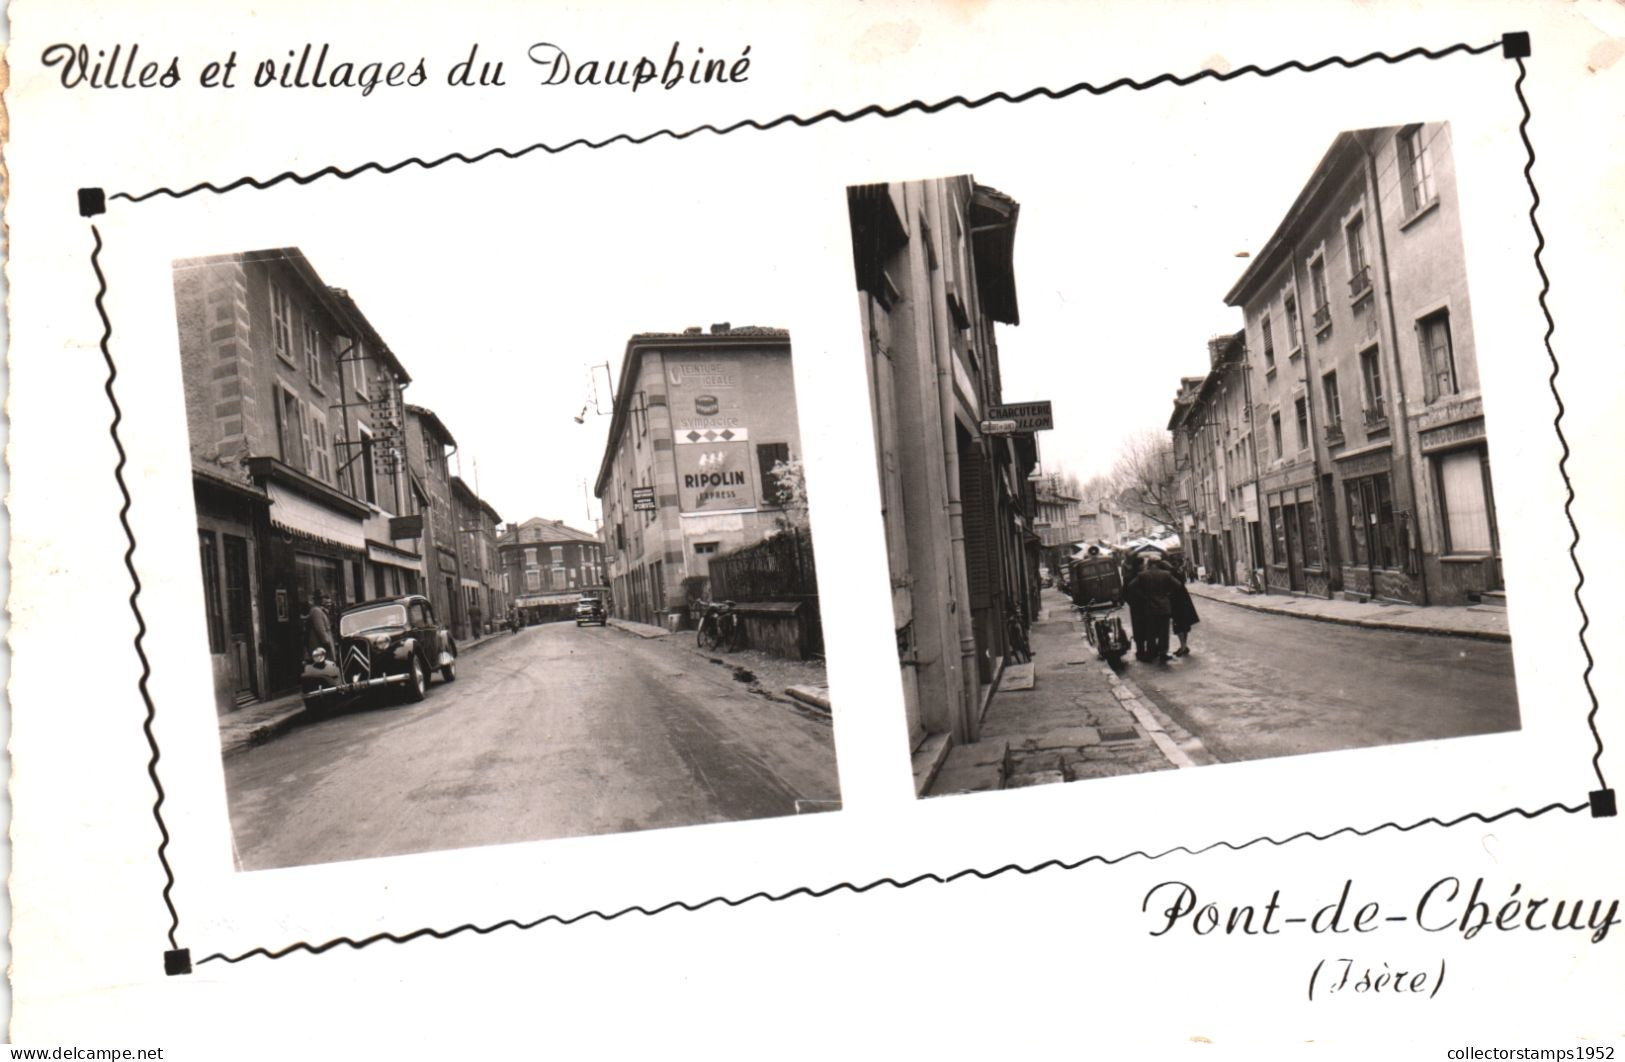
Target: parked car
x=591, y=610
x=387, y=644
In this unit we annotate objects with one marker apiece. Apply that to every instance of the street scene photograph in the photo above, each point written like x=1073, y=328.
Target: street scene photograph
x=472, y=579
x=1216, y=487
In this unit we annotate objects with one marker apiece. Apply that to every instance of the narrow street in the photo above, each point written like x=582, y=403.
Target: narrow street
x=557, y=731
x=1258, y=685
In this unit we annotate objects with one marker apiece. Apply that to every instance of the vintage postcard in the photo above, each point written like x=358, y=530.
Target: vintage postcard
x=607, y=530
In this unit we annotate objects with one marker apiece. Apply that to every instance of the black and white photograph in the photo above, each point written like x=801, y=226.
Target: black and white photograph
x=514, y=510
x=1215, y=487
x=454, y=599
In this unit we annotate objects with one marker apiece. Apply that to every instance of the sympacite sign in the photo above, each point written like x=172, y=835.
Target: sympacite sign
x=706, y=403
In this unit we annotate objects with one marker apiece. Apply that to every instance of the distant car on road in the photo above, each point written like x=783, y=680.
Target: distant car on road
x=389, y=643
x=591, y=610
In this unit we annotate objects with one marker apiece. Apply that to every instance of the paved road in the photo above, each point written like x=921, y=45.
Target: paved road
x=1258, y=685
x=558, y=731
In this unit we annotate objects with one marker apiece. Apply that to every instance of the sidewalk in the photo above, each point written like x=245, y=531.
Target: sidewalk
x=801, y=682
x=255, y=724
x=1077, y=720
x=1462, y=621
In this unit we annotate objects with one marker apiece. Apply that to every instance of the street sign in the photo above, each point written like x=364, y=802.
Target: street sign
x=1029, y=416
x=999, y=427
x=643, y=499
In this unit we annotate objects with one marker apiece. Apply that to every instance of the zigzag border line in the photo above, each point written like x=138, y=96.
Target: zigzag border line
x=135, y=582
x=873, y=110
x=1557, y=426
x=983, y=875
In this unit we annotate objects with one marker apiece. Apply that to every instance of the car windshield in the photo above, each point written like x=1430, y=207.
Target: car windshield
x=366, y=619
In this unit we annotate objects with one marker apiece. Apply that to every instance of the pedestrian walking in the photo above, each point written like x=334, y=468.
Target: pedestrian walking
x=1139, y=622
x=1182, y=613
x=1155, y=587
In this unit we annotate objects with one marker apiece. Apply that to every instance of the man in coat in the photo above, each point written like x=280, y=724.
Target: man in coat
x=1155, y=588
x=318, y=629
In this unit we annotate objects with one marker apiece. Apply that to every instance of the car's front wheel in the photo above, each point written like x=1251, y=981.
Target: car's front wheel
x=417, y=682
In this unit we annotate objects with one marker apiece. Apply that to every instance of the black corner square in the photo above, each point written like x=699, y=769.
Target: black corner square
x=92, y=201
x=1515, y=45
x=178, y=961
x=1603, y=805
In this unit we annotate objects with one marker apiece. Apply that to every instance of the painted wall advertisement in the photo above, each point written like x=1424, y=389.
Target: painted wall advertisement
x=706, y=403
x=708, y=424
x=714, y=476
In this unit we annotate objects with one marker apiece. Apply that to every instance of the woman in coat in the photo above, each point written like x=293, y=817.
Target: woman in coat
x=1139, y=622
x=1183, y=613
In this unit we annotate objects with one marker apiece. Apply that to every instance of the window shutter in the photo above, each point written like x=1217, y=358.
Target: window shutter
x=975, y=505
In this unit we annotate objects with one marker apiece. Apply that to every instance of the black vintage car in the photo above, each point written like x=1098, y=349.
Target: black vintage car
x=591, y=610
x=390, y=643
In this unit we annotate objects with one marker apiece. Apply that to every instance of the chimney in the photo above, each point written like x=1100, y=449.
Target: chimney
x=720, y=329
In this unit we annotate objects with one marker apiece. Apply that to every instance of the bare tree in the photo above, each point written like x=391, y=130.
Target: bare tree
x=1143, y=476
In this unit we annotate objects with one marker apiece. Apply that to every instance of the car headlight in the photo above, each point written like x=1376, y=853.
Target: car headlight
x=318, y=657
x=380, y=641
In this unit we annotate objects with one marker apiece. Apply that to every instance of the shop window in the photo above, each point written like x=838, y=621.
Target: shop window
x=1278, y=535
x=214, y=611
x=1372, y=538
x=1308, y=530
x=1464, y=497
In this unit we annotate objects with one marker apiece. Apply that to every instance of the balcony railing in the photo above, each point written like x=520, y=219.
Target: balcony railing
x=1375, y=415
x=1360, y=283
x=1334, y=432
x=1322, y=318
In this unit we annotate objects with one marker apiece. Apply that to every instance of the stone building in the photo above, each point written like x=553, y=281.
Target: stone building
x=429, y=445
x=292, y=404
x=1373, y=462
x=933, y=262
x=1216, y=468
x=547, y=566
x=484, y=602
x=701, y=421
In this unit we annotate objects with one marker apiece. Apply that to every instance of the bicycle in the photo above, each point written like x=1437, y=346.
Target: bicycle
x=719, y=626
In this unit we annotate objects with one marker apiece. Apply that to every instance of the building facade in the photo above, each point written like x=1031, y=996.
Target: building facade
x=480, y=568
x=547, y=566
x=702, y=421
x=1216, y=467
x=1365, y=411
x=293, y=411
x=934, y=274
x=429, y=445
